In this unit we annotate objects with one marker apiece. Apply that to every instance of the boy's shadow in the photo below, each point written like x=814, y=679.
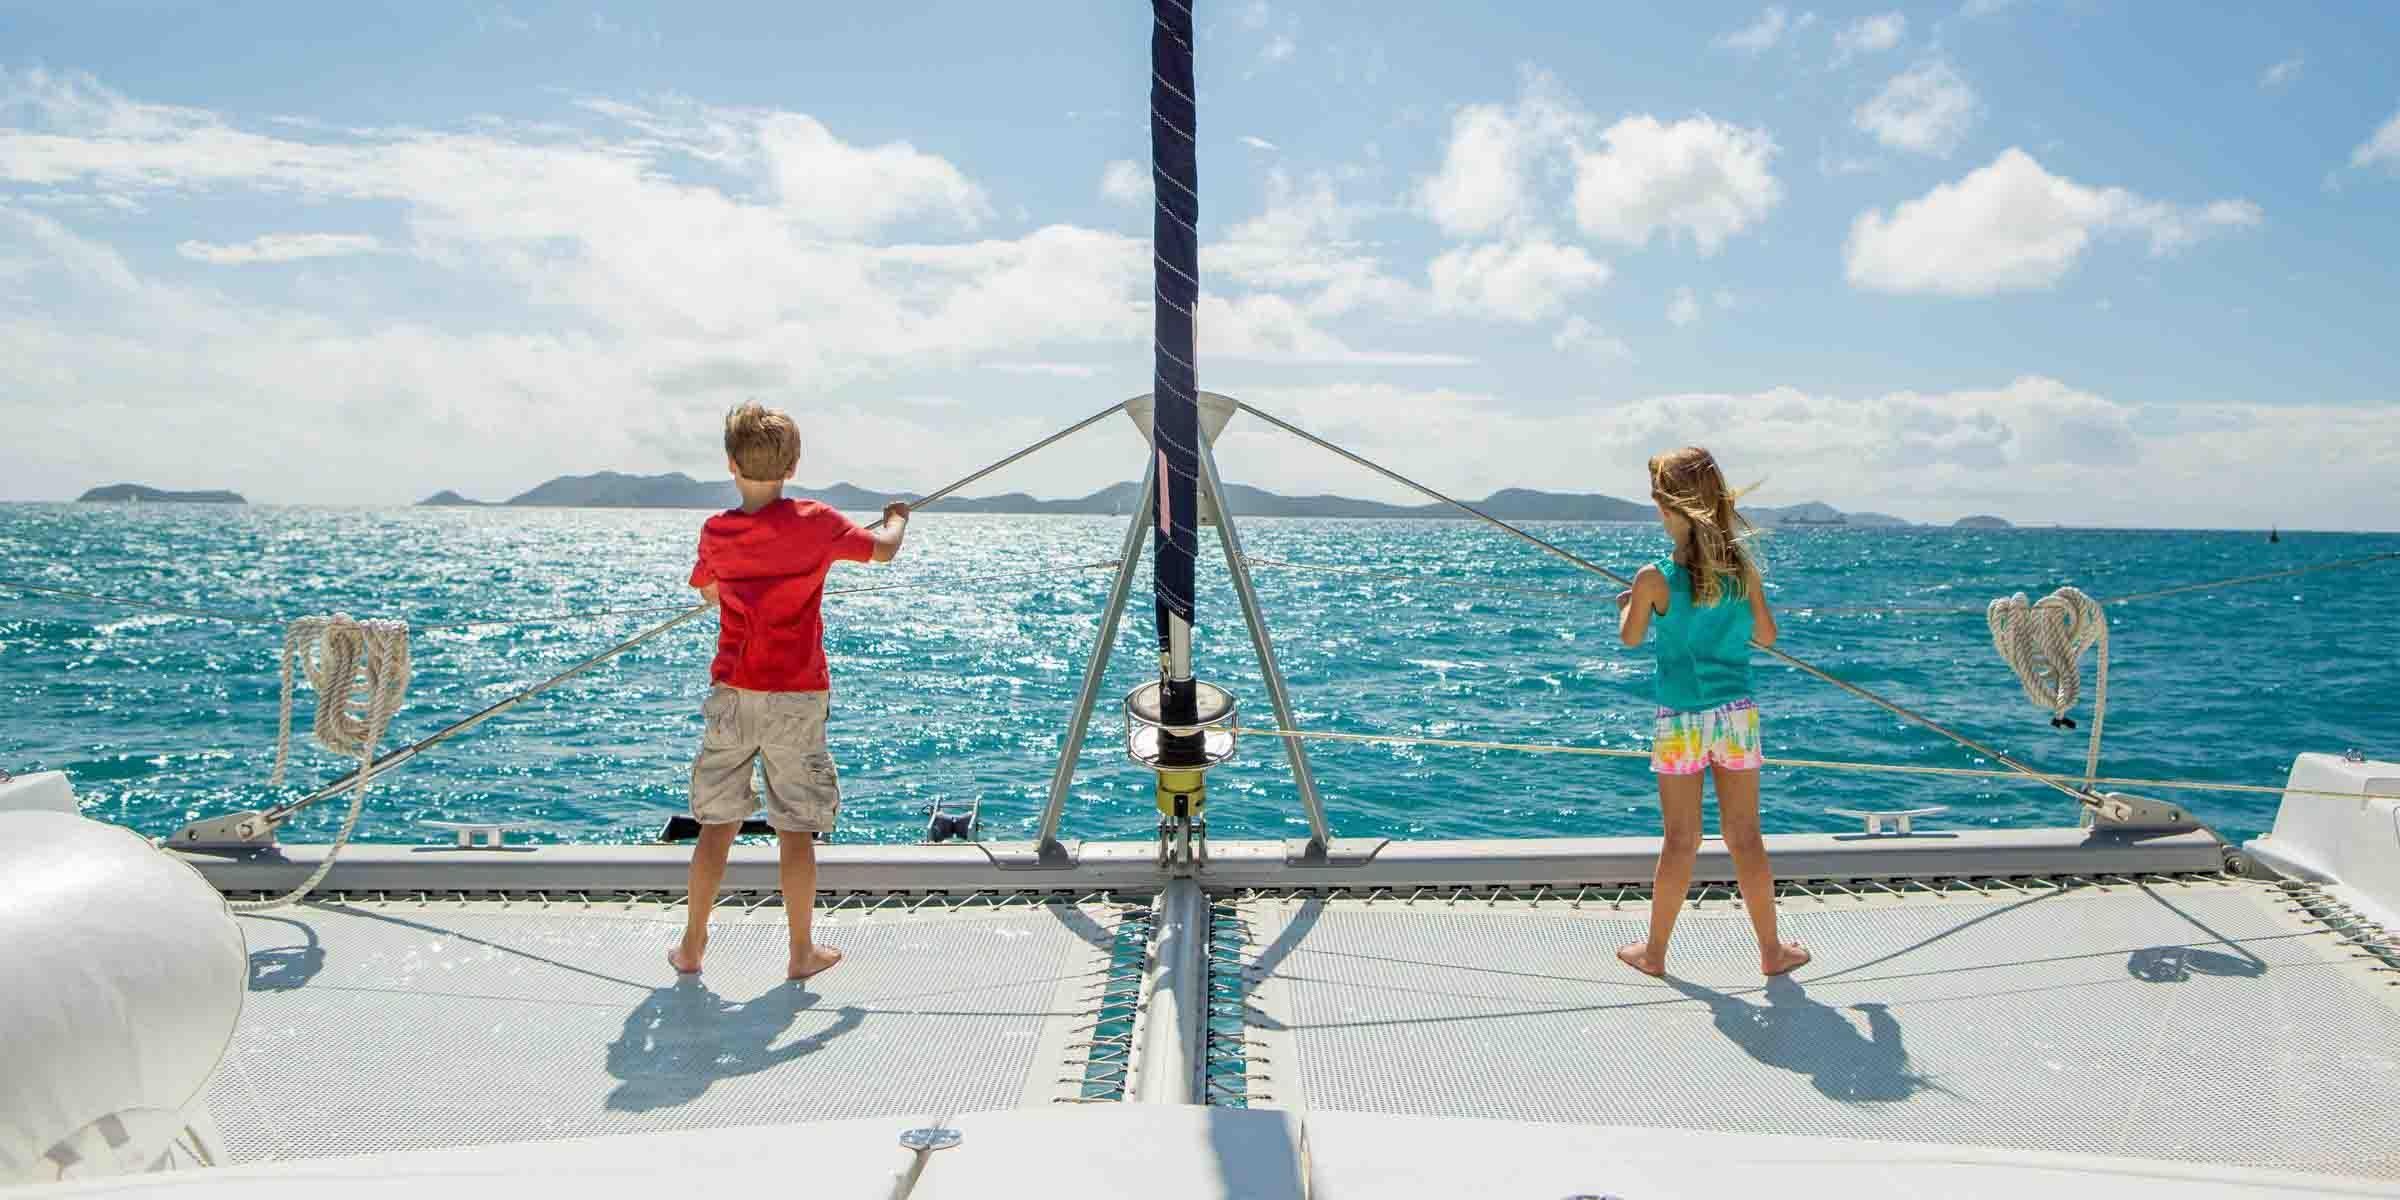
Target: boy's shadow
x=1794, y=1033
x=684, y=1037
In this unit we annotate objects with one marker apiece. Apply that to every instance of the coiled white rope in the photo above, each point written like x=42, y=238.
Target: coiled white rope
x=333, y=652
x=2044, y=642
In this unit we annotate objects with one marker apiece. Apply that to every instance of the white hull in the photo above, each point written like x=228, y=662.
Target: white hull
x=2087, y=1012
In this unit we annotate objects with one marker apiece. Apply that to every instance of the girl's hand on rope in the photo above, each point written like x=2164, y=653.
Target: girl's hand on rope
x=1624, y=598
x=895, y=511
x=708, y=595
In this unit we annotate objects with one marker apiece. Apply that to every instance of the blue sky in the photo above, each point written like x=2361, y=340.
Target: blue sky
x=2065, y=259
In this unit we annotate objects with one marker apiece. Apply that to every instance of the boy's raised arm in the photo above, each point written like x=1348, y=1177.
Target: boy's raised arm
x=890, y=532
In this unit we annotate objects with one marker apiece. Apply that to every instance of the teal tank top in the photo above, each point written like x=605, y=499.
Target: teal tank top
x=1703, y=652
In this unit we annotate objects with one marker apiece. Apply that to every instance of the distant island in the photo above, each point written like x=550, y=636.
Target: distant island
x=612, y=489
x=134, y=493
x=1981, y=522
x=1814, y=514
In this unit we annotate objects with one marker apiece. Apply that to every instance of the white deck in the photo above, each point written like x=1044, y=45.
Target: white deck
x=2204, y=1021
x=2200, y=1020
x=393, y=1026
x=1176, y=1152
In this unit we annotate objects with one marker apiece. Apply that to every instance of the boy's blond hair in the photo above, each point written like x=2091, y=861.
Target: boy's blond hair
x=763, y=442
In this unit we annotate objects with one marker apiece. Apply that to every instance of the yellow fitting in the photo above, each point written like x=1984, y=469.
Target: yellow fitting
x=1182, y=793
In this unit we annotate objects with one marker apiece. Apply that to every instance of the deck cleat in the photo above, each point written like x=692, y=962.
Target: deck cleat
x=487, y=835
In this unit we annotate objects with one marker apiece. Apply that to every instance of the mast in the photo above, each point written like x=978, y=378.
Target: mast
x=1175, y=269
x=1175, y=431
x=1180, y=727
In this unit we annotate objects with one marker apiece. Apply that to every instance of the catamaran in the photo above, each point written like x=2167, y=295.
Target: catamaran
x=2121, y=1005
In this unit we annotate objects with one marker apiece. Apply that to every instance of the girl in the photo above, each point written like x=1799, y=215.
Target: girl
x=1707, y=605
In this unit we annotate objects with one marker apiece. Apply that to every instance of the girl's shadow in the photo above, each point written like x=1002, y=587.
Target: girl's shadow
x=684, y=1037
x=1794, y=1033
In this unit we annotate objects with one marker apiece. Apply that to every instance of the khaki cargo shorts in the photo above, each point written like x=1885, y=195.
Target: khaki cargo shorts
x=785, y=733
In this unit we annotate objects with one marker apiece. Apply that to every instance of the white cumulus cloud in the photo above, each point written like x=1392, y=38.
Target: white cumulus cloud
x=1302, y=240
x=1059, y=369
x=279, y=247
x=1761, y=35
x=1925, y=110
x=846, y=190
x=1125, y=181
x=2033, y=448
x=1521, y=282
x=1580, y=337
x=2282, y=73
x=2014, y=226
x=1265, y=327
x=1871, y=35
x=2382, y=148
x=1697, y=177
x=1683, y=308
x=1485, y=184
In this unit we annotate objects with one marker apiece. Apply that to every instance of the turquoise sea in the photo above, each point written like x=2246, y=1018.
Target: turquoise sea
x=957, y=684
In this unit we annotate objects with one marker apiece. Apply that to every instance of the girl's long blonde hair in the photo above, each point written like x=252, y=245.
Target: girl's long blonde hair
x=1687, y=483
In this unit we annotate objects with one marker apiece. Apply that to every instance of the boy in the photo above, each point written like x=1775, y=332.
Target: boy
x=763, y=565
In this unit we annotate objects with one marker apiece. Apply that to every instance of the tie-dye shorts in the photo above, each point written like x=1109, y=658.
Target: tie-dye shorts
x=1685, y=743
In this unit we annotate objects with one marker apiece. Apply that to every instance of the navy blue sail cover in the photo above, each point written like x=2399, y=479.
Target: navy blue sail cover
x=1175, y=265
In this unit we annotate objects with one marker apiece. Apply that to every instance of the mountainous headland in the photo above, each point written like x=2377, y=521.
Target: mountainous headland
x=612, y=489
x=135, y=493
x=1982, y=522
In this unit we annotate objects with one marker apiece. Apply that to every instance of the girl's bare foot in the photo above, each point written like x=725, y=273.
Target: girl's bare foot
x=1639, y=957
x=1784, y=959
x=817, y=960
x=686, y=958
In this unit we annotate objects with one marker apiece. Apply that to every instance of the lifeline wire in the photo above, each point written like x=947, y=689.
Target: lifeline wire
x=367, y=771
x=1826, y=609
x=541, y=618
x=1788, y=659
x=1814, y=764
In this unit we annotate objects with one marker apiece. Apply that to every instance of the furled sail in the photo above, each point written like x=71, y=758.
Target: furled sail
x=1175, y=266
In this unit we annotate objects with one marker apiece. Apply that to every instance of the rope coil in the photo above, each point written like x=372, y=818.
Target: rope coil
x=2043, y=642
x=333, y=652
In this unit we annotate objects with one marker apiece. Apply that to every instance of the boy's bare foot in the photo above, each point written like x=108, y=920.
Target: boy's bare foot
x=1784, y=959
x=686, y=962
x=818, y=960
x=1638, y=957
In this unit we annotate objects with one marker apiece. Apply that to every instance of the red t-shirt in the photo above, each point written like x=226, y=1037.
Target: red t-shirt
x=769, y=567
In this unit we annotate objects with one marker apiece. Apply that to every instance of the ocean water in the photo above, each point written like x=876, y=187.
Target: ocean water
x=955, y=683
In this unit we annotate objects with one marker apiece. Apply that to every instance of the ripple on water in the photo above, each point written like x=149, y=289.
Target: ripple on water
x=959, y=691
